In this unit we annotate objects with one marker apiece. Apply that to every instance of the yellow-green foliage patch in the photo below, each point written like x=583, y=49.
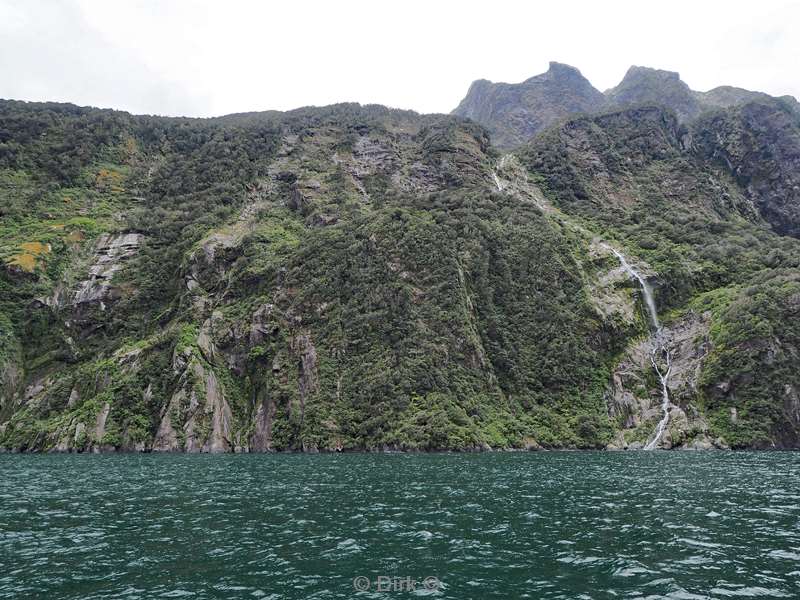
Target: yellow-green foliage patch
x=27, y=260
x=109, y=180
x=36, y=248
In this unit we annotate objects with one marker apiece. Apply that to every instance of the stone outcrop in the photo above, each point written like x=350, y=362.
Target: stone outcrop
x=634, y=399
x=759, y=145
x=111, y=253
x=726, y=96
x=642, y=85
x=513, y=113
x=197, y=417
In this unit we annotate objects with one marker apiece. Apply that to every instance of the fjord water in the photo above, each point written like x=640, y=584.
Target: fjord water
x=496, y=525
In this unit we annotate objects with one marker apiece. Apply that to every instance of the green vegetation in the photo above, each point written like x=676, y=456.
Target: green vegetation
x=348, y=278
x=714, y=249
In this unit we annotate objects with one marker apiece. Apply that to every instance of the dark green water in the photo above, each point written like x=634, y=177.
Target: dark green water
x=526, y=525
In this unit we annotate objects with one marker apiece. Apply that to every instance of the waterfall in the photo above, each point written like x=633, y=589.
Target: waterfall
x=660, y=350
x=660, y=346
x=497, y=181
x=646, y=291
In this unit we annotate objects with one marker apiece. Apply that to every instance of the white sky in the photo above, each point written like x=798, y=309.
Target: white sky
x=205, y=58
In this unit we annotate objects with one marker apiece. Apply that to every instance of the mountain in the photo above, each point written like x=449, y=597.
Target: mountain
x=357, y=277
x=323, y=279
x=642, y=85
x=720, y=236
x=513, y=113
x=725, y=96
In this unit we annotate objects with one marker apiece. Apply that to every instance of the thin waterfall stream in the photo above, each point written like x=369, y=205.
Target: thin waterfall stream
x=660, y=350
x=497, y=181
x=660, y=356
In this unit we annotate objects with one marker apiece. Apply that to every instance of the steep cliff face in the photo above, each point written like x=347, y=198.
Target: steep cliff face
x=759, y=144
x=635, y=396
x=324, y=279
x=719, y=250
x=726, y=96
x=513, y=113
x=356, y=277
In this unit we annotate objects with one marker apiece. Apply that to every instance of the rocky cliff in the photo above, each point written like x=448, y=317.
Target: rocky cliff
x=355, y=277
x=514, y=113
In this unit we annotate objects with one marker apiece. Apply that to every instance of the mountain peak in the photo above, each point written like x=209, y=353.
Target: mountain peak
x=513, y=112
x=557, y=70
x=645, y=85
x=636, y=72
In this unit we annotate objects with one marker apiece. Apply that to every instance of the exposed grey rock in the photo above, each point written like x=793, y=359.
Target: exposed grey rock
x=371, y=156
x=166, y=438
x=688, y=344
x=217, y=406
x=100, y=424
x=759, y=145
x=261, y=440
x=726, y=95
x=642, y=85
x=80, y=430
x=10, y=378
x=513, y=113
x=197, y=417
x=307, y=382
x=111, y=251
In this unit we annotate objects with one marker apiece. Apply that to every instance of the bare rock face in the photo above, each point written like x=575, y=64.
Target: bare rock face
x=216, y=407
x=759, y=144
x=307, y=382
x=111, y=252
x=10, y=379
x=261, y=440
x=610, y=295
x=166, y=438
x=635, y=401
x=197, y=417
x=513, y=113
x=726, y=96
x=100, y=428
x=374, y=156
x=642, y=85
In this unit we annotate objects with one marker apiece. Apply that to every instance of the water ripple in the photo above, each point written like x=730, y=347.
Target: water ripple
x=522, y=525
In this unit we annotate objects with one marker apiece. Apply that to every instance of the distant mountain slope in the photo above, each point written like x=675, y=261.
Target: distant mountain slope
x=725, y=96
x=759, y=144
x=642, y=85
x=706, y=208
x=513, y=113
x=329, y=278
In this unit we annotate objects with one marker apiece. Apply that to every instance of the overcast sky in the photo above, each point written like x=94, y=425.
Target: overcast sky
x=206, y=58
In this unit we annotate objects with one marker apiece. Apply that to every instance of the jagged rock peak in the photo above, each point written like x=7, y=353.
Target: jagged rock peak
x=514, y=112
x=555, y=71
x=559, y=71
x=638, y=72
x=646, y=85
